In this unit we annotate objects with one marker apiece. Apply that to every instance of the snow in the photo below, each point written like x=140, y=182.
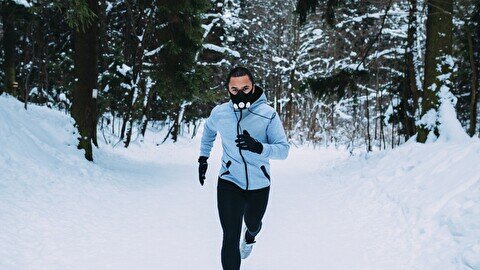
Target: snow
x=153, y=52
x=449, y=128
x=33, y=91
x=208, y=27
x=124, y=69
x=24, y=3
x=62, y=97
x=413, y=207
x=216, y=48
x=94, y=93
x=109, y=7
x=277, y=59
x=126, y=85
x=317, y=32
x=428, y=119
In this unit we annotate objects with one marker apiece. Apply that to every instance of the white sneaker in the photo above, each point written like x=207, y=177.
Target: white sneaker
x=245, y=249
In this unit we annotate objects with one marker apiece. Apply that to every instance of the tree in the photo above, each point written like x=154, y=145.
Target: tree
x=473, y=56
x=410, y=93
x=10, y=12
x=438, y=65
x=83, y=110
x=180, y=76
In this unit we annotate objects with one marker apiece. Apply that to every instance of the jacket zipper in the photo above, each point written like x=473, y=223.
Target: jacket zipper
x=240, y=150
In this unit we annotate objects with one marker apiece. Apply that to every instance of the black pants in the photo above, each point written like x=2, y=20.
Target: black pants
x=234, y=204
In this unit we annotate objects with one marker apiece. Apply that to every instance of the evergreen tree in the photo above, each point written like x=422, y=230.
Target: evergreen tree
x=438, y=65
x=85, y=43
x=179, y=77
x=11, y=13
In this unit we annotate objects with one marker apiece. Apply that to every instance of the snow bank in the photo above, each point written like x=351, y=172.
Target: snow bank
x=126, y=210
x=43, y=188
x=436, y=191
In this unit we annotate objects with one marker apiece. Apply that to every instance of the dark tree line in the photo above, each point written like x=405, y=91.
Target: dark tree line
x=448, y=61
x=133, y=62
x=356, y=72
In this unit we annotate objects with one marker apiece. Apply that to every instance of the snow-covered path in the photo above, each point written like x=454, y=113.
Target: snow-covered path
x=324, y=224
x=143, y=208
x=157, y=216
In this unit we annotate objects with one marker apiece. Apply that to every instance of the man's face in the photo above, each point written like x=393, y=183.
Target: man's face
x=241, y=83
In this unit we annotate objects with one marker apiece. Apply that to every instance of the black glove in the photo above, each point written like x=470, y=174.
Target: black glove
x=202, y=168
x=246, y=142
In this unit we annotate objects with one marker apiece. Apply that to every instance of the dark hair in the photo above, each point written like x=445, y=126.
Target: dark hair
x=239, y=71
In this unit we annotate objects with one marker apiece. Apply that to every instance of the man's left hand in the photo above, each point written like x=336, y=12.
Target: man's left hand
x=246, y=142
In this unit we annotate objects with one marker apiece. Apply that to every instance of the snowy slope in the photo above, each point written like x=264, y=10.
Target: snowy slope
x=414, y=207
x=433, y=191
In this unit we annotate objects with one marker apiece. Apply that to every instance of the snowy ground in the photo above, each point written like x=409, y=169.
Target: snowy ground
x=416, y=207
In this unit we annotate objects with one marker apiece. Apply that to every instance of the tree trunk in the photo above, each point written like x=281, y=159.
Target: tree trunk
x=129, y=132
x=438, y=46
x=103, y=65
x=382, y=118
x=26, y=88
x=367, y=112
x=152, y=96
x=406, y=114
x=377, y=107
x=8, y=20
x=473, y=96
x=289, y=106
x=94, y=122
x=124, y=126
x=138, y=81
x=332, y=115
x=113, y=122
x=86, y=70
x=411, y=87
x=176, y=124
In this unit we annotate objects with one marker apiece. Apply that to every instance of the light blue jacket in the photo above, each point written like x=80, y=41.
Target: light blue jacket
x=247, y=169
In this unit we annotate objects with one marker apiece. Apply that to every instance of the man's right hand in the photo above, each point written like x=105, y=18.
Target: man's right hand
x=202, y=168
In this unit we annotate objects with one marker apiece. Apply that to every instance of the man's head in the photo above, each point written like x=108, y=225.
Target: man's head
x=240, y=79
x=241, y=88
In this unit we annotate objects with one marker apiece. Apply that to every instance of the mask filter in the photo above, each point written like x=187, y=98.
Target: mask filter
x=241, y=105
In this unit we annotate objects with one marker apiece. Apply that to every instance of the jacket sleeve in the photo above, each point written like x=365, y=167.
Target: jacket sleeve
x=209, y=134
x=277, y=146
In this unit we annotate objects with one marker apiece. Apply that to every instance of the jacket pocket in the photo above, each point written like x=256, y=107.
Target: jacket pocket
x=264, y=170
x=227, y=171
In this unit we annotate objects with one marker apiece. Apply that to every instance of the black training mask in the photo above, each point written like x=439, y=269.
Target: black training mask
x=242, y=100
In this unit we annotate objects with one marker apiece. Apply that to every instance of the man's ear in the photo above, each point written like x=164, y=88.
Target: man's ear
x=253, y=88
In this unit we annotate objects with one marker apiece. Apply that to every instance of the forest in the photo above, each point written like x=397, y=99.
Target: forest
x=365, y=74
